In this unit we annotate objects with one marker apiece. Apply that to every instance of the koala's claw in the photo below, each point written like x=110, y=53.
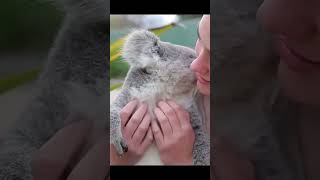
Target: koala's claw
x=124, y=146
x=121, y=146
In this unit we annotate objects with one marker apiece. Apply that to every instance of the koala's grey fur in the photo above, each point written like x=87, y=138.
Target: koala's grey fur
x=73, y=83
x=247, y=103
x=159, y=71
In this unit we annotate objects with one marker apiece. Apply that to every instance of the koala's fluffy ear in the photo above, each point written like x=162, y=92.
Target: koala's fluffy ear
x=138, y=48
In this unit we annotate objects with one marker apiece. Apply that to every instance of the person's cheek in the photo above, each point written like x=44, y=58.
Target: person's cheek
x=286, y=18
x=271, y=16
x=208, y=65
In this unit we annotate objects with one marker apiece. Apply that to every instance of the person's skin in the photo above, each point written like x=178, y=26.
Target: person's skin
x=201, y=65
x=295, y=25
x=136, y=130
x=64, y=156
x=173, y=135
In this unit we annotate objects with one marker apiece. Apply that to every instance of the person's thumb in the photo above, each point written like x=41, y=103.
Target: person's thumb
x=228, y=164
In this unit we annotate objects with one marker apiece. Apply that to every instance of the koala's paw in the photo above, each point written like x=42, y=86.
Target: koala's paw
x=120, y=145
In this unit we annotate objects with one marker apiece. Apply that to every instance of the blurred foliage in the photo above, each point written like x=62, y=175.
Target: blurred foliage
x=27, y=25
x=118, y=69
x=115, y=86
x=9, y=82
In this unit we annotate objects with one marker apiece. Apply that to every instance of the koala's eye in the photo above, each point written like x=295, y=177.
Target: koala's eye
x=156, y=49
x=145, y=71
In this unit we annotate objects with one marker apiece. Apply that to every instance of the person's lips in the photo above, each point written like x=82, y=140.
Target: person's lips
x=202, y=80
x=294, y=60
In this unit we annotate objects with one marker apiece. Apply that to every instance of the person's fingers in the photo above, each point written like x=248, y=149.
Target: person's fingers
x=93, y=165
x=135, y=120
x=157, y=134
x=183, y=115
x=57, y=156
x=147, y=140
x=164, y=123
x=127, y=111
x=228, y=164
x=171, y=115
x=142, y=129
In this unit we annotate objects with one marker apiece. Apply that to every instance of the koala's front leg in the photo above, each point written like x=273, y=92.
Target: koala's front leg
x=115, y=131
x=116, y=137
x=201, y=147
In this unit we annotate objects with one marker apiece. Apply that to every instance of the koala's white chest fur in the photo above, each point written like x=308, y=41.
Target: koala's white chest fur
x=152, y=93
x=151, y=157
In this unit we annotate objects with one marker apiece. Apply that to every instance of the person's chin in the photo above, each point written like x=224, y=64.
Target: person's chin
x=299, y=86
x=203, y=88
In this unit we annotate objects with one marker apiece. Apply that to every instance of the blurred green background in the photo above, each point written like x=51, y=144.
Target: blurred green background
x=27, y=25
x=27, y=31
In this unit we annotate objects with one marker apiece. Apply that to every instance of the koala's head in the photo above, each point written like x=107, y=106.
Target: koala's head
x=154, y=61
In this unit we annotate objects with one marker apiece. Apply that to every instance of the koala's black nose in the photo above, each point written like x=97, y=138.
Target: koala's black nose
x=192, y=56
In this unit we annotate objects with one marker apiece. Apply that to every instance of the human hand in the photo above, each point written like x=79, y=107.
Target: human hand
x=64, y=157
x=175, y=136
x=136, y=130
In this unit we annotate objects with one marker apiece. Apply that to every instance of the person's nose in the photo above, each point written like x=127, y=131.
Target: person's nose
x=198, y=65
x=290, y=18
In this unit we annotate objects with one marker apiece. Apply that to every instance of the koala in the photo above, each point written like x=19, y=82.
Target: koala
x=159, y=71
x=247, y=101
x=73, y=83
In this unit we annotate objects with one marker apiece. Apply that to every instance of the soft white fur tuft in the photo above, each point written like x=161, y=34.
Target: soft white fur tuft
x=154, y=92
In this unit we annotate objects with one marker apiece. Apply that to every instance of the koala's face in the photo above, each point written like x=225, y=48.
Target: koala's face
x=158, y=61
